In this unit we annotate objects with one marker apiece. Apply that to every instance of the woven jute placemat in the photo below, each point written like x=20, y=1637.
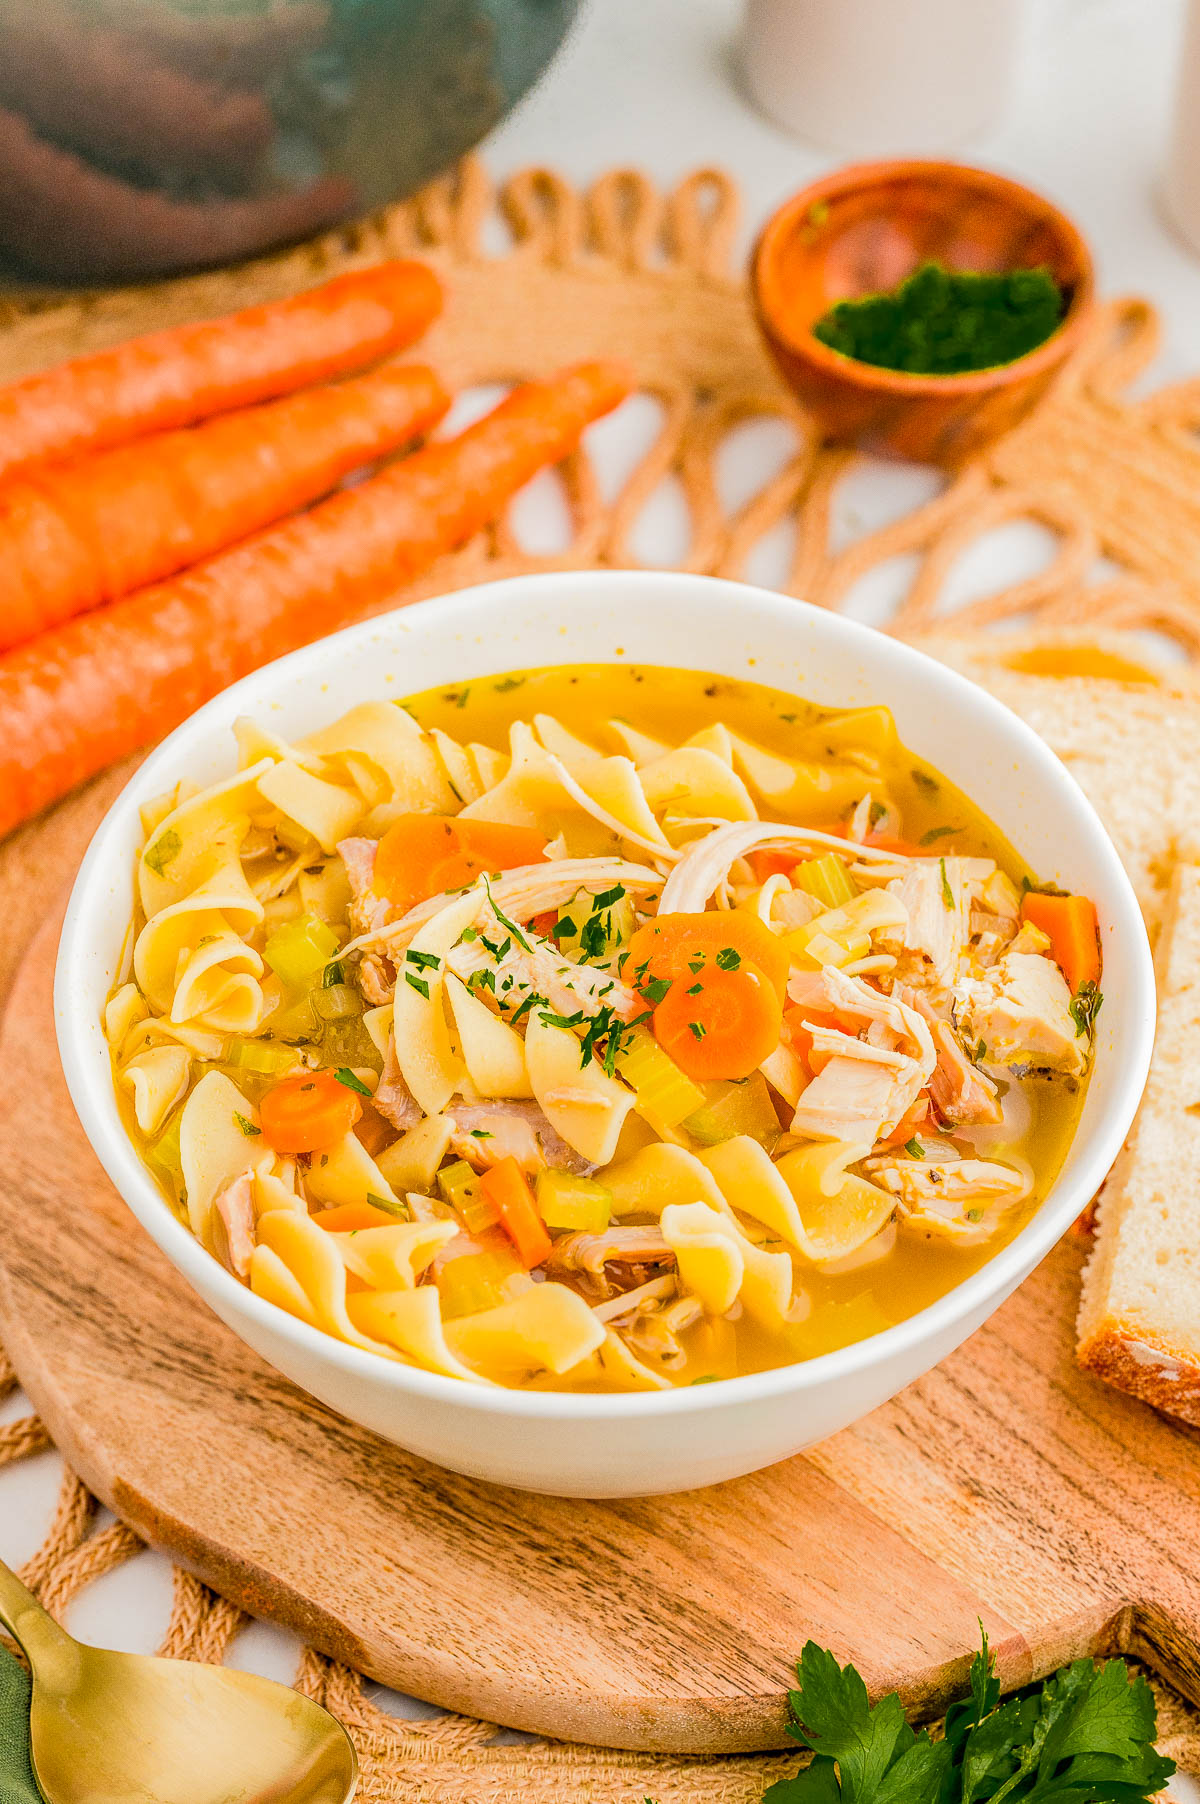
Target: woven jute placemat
x=538, y=274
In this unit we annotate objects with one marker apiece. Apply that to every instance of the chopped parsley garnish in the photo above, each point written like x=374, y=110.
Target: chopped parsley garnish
x=478, y=980
x=924, y=781
x=655, y=988
x=504, y=920
x=166, y=847
x=1085, y=1006
x=914, y=1149
x=697, y=989
x=563, y=930
x=351, y=1082
x=697, y=1029
x=608, y=898
x=533, y=1000
x=927, y=839
x=468, y=934
x=401, y=1210
x=972, y=1215
x=424, y=961
x=419, y=984
x=507, y=684
x=1085, y=1733
x=247, y=1126
x=980, y=1052
x=334, y=974
x=947, y=892
x=462, y=698
x=481, y=1134
x=695, y=966
x=728, y=959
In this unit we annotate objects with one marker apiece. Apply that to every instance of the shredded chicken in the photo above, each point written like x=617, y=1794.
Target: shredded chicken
x=234, y=1224
x=936, y=893
x=393, y=1098
x=538, y=968
x=949, y=1196
x=1020, y=1009
x=860, y=1096
x=487, y=1132
x=619, y=1259
x=962, y=1094
x=706, y=864
x=530, y=890
x=367, y=910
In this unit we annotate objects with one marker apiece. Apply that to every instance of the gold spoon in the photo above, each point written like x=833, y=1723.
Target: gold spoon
x=126, y=1729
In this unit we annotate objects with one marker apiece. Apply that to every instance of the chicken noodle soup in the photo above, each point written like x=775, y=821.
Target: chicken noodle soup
x=597, y=1028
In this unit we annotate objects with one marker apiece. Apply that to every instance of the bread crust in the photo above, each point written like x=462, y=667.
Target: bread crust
x=1133, y=1361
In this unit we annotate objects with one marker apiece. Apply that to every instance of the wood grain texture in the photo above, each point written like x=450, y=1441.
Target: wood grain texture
x=1006, y=1485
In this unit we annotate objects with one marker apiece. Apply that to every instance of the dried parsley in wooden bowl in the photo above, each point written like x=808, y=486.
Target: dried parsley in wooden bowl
x=940, y=322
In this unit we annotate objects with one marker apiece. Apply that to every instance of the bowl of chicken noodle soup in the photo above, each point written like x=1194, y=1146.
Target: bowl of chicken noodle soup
x=604, y=1032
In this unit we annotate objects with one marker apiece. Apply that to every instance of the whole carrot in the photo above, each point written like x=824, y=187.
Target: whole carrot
x=186, y=373
x=86, y=533
x=89, y=692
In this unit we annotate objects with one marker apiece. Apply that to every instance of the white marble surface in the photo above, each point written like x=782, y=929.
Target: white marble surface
x=654, y=83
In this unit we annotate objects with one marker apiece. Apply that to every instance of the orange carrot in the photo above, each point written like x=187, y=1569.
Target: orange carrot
x=77, y=698
x=421, y=854
x=308, y=1113
x=716, y=1023
x=86, y=533
x=351, y=1218
x=507, y=1189
x=1070, y=924
x=670, y=944
x=186, y=373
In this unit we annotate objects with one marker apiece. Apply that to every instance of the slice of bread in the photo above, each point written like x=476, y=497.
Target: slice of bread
x=1125, y=730
x=1139, y=1315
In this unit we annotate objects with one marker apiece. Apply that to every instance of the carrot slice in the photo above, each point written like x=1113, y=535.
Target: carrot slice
x=349, y=1218
x=668, y=945
x=422, y=854
x=73, y=538
x=92, y=691
x=186, y=373
x=765, y=863
x=307, y=1113
x=1070, y=924
x=506, y=1187
x=721, y=1023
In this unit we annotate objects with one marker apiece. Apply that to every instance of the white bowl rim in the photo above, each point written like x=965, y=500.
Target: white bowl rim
x=95, y=1101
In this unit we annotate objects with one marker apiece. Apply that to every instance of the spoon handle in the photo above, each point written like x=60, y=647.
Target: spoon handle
x=26, y=1621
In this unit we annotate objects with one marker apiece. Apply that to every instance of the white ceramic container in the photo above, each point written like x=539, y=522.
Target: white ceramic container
x=872, y=77
x=1181, y=186
x=606, y=1446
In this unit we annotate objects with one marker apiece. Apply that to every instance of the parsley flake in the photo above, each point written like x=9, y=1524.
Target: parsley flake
x=1085, y=1006
x=914, y=1149
x=246, y=1125
x=947, y=892
x=351, y=1082
x=166, y=847
x=728, y=959
x=419, y=984
x=697, y=1029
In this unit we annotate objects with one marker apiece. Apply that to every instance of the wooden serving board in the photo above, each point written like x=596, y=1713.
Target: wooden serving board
x=1004, y=1486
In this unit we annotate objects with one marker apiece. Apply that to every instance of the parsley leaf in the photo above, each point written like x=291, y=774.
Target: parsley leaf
x=351, y=1082
x=728, y=959
x=165, y=848
x=1085, y=1006
x=927, y=839
x=421, y=987
x=334, y=975
x=914, y=1149
x=947, y=892
x=246, y=1125
x=655, y=988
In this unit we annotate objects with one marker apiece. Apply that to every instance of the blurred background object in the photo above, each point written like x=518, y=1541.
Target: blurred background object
x=1181, y=190
x=140, y=137
x=865, y=76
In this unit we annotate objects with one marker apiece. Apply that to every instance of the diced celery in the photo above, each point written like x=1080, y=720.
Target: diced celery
x=279, y=910
x=825, y=878
x=297, y=1022
x=842, y=934
x=411, y=1162
x=665, y=1095
x=477, y=1281
x=336, y=1001
x=565, y=1201
x=299, y=951
x=733, y=1109
x=459, y=1186
x=265, y=1056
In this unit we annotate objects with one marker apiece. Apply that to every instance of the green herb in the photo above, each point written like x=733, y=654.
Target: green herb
x=924, y=781
x=165, y=848
x=506, y=684
x=424, y=961
x=462, y=698
x=655, y=988
x=980, y=1052
x=422, y=988
x=927, y=839
x=400, y=1210
x=504, y=920
x=609, y=898
x=468, y=934
x=334, y=975
x=1083, y=1736
x=947, y=892
x=708, y=1378
x=914, y=1149
x=697, y=1029
x=533, y=1000
x=697, y=989
x=1085, y=1006
x=248, y=1128
x=973, y=1214
x=941, y=322
x=790, y=718
x=695, y=966
x=351, y=1082
x=481, y=1134
x=728, y=959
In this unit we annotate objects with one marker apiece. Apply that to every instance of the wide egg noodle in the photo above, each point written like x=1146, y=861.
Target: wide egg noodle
x=649, y=1180
x=317, y=1274
x=545, y=1328
x=385, y=752
x=219, y=1139
x=840, y=1211
x=581, y=1102
x=156, y=1080
x=695, y=784
x=393, y=1257
x=313, y=808
x=411, y=1321
x=346, y=1173
x=493, y=1052
x=709, y=1261
x=766, y=1284
x=424, y=1050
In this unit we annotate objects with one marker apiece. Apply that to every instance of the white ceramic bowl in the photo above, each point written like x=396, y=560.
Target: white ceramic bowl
x=609, y=1446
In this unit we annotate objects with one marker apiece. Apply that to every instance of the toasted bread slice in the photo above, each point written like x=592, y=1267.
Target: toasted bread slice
x=1139, y=1316
x=1124, y=729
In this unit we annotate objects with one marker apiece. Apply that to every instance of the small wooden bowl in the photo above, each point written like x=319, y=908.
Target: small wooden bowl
x=863, y=230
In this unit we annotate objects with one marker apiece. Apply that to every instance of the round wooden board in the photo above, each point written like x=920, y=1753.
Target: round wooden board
x=1004, y=1486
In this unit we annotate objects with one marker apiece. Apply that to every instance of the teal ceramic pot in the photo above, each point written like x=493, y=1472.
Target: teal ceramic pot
x=143, y=137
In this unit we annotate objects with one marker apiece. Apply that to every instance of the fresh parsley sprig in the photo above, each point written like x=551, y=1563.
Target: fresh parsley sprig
x=1085, y=1735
